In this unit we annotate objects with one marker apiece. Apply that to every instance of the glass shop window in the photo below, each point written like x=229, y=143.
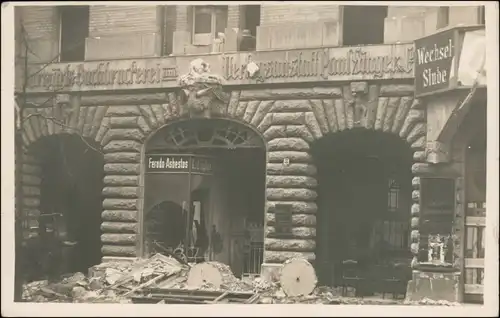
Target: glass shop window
x=363, y=24
x=74, y=29
x=208, y=22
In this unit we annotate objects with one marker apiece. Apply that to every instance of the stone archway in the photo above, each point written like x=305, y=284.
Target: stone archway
x=61, y=175
x=39, y=123
x=291, y=119
x=232, y=193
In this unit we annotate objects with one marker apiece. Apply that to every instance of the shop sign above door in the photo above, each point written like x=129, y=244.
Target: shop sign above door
x=159, y=163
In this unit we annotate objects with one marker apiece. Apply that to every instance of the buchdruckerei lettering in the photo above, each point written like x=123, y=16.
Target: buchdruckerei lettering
x=322, y=65
x=103, y=74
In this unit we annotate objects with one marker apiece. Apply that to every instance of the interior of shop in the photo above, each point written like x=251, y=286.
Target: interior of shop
x=226, y=209
x=364, y=201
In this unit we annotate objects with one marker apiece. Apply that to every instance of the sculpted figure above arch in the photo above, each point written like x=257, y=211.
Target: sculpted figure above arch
x=202, y=93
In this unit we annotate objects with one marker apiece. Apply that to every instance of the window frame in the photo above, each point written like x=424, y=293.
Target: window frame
x=343, y=26
x=60, y=44
x=443, y=17
x=206, y=38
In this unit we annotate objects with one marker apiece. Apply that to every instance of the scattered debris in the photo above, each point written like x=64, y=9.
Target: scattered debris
x=430, y=302
x=165, y=280
x=106, y=282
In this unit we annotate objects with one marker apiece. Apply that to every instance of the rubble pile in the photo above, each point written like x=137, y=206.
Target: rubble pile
x=430, y=302
x=108, y=282
x=164, y=276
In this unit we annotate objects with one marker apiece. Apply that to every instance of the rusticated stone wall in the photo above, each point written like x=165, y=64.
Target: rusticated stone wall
x=119, y=124
x=289, y=120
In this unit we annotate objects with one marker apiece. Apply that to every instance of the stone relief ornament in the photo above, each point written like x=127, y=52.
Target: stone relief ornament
x=202, y=90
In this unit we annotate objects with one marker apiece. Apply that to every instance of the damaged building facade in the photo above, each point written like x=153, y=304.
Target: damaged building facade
x=251, y=135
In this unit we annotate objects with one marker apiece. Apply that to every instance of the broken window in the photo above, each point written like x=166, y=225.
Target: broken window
x=363, y=24
x=208, y=22
x=74, y=30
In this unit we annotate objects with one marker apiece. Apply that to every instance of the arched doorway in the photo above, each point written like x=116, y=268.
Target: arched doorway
x=364, y=207
x=71, y=171
x=215, y=206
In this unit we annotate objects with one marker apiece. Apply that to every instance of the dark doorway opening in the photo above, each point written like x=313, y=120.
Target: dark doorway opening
x=364, y=201
x=70, y=202
x=475, y=198
x=252, y=18
x=226, y=208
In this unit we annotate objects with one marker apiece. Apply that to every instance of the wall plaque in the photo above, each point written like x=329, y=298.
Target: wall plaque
x=283, y=219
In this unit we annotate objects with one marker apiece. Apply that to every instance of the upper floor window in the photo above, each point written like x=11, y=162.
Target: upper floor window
x=167, y=22
x=74, y=30
x=363, y=24
x=252, y=18
x=482, y=18
x=208, y=22
x=443, y=17
x=251, y=22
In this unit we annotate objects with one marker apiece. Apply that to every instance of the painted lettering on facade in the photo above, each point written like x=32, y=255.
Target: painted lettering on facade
x=58, y=77
x=325, y=64
x=372, y=62
x=434, y=60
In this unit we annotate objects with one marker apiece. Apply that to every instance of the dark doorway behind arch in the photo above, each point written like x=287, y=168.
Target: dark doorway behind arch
x=364, y=201
x=226, y=207
x=72, y=183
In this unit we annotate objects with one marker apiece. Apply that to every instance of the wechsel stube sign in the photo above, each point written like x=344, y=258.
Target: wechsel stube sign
x=156, y=163
x=434, y=62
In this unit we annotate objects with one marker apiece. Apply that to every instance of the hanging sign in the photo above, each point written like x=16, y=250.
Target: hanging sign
x=434, y=58
x=449, y=59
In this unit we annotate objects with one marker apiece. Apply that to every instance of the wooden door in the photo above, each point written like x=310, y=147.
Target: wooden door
x=475, y=222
